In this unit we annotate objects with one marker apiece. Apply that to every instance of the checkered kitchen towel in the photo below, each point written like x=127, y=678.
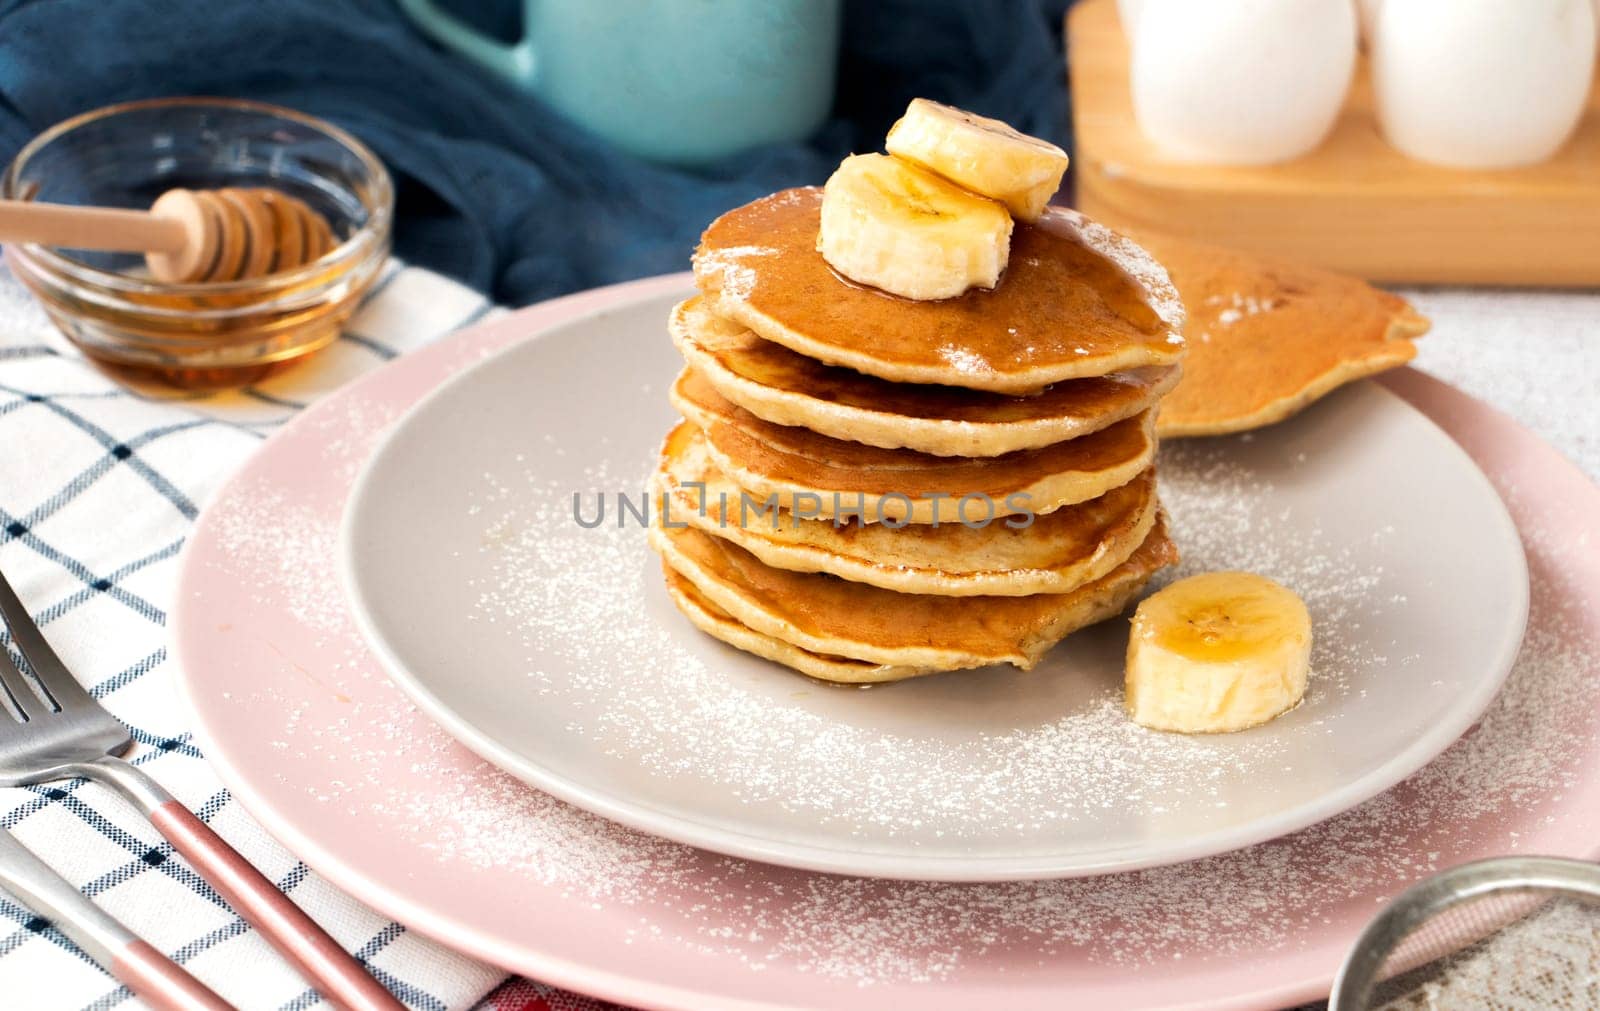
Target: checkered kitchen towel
x=99, y=485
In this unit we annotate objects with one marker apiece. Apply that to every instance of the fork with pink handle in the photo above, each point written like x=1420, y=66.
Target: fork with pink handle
x=56, y=730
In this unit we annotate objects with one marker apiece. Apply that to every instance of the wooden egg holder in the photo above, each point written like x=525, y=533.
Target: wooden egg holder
x=1354, y=204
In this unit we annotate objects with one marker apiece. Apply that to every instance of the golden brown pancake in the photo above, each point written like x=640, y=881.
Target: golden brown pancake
x=1076, y=300
x=719, y=624
x=786, y=388
x=833, y=617
x=1057, y=553
x=900, y=484
x=1267, y=338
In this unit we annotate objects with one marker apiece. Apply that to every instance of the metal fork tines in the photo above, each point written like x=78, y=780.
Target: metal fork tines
x=55, y=724
x=56, y=730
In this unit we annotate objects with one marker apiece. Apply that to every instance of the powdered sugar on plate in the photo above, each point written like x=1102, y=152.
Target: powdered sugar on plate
x=584, y=679
x=1253, y=901
x=663, y=699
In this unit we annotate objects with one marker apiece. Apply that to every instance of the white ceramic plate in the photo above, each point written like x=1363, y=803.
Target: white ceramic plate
x=552, y=650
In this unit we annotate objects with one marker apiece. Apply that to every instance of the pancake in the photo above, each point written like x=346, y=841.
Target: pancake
x=719, y=624
x=783, y=387
x=1058, y=553
x=902, y=485
x=833, y=617
x=1077, y=300
x=1268, y=338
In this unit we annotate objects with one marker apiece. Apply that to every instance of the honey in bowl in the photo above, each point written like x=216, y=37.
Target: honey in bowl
x=203, y=333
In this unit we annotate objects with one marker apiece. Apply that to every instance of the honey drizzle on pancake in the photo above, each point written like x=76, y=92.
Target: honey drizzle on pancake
x=1061, y=307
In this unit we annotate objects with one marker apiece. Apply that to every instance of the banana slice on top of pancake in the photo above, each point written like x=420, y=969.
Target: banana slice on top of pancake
x=902, y=229
x=783, y=387
x=979, y=154
x=816, y=475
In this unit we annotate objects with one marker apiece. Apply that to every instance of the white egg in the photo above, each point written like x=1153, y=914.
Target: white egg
x=1241, y=81
x=1128, y=13
x=1367, y=16
x=1482, y=83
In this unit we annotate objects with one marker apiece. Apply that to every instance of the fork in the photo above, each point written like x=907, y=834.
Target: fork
x=144, y=970
x=59, y=731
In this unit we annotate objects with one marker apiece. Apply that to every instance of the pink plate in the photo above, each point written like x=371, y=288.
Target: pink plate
x=333, y=759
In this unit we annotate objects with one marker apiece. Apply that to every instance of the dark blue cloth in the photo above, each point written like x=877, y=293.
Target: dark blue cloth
x=493, y=188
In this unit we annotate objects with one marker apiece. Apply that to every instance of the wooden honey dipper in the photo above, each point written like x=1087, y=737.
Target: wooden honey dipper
x=187, y=235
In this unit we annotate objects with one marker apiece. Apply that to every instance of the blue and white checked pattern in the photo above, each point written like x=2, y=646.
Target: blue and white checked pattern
x=99, y=486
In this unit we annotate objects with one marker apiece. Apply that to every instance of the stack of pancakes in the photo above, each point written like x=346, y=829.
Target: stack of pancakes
x=868, y=488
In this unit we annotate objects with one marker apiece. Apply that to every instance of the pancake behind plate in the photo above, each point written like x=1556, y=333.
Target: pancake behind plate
x=786, y=388
x=1056, y=553
x=832, y=617
x=1267, y=338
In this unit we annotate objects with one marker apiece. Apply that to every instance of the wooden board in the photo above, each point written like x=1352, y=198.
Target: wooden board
x=1354, y=204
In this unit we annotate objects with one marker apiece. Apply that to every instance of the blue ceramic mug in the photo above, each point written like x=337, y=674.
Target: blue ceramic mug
x=681, y=81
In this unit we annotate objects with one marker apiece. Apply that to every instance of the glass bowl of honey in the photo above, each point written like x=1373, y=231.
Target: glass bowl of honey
x=206, y=334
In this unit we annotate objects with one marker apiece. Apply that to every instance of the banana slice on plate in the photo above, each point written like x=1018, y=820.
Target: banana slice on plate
x=983, y=155
x=900, y=228
x=1217, y=652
